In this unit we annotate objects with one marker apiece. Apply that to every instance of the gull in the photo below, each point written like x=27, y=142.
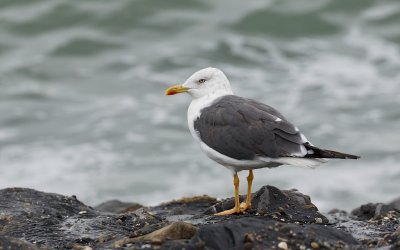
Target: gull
x=244, y=134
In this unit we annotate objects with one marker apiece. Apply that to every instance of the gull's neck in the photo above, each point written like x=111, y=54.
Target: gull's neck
x=207, y=99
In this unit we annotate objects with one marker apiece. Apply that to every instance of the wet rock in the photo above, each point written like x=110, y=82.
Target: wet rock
x=56, y=221
x=174, y=231
x=184, y=208
x=279, y=219
x=283, y=205
x=268, y=234
x=12, y=243
x=395, y=204
x=117, y=207
x=373, y=224
x=375, y=211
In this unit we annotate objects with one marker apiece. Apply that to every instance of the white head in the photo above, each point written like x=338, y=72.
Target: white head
x=205, y=82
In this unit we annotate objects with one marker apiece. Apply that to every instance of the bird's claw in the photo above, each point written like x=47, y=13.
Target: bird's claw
x=244, y=206
x=235, y=210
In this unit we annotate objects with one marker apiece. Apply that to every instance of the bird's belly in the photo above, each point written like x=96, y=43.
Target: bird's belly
x=234, y=164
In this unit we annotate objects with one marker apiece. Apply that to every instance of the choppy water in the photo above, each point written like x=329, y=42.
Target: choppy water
x=82, y=108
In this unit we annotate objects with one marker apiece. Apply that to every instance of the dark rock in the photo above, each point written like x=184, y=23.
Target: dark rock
x=395, y=204
x=117, y=207
x=375, y=211
x=279, y=219
x=373, y=224
x=184, y=208
x=283, y=205
x=12, y=243
x=264, y=233
x=174, y=231
x=56, y=221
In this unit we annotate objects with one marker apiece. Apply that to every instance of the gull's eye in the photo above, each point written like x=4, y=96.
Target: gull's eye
x=202, y=81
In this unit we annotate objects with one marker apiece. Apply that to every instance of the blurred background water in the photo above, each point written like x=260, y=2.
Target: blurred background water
x=83, y=111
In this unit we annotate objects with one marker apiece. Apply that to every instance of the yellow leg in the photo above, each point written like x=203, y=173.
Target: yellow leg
x=236, y=209
x=246, y=206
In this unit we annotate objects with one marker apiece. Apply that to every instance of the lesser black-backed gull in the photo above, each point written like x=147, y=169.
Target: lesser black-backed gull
x=243, y=134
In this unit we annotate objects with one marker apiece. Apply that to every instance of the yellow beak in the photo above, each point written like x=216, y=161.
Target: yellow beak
x=176, y=89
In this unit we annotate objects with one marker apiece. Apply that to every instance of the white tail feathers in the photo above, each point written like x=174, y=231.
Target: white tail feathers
x=300, y=162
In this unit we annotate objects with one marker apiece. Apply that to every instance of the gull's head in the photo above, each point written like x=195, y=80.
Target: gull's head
x=205, y=82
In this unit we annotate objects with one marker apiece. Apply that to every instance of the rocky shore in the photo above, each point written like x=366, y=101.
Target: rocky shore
x=279, y=219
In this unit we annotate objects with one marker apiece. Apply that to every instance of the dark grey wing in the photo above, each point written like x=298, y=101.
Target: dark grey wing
x=243, y=129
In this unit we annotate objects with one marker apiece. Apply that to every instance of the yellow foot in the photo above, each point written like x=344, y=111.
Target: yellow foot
x=230, y=211
x=244, y=206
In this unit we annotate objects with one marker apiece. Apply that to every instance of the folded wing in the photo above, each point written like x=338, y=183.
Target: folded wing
x=244, y=129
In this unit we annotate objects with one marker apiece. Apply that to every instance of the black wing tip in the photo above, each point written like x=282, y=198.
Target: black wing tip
x=328, y=154
x=353, y=157
x=340, y=155
x=344, y=155
x=324, y=153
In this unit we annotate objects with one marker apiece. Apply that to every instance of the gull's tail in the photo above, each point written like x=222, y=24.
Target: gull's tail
x=315, y=152
x=314, y=157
